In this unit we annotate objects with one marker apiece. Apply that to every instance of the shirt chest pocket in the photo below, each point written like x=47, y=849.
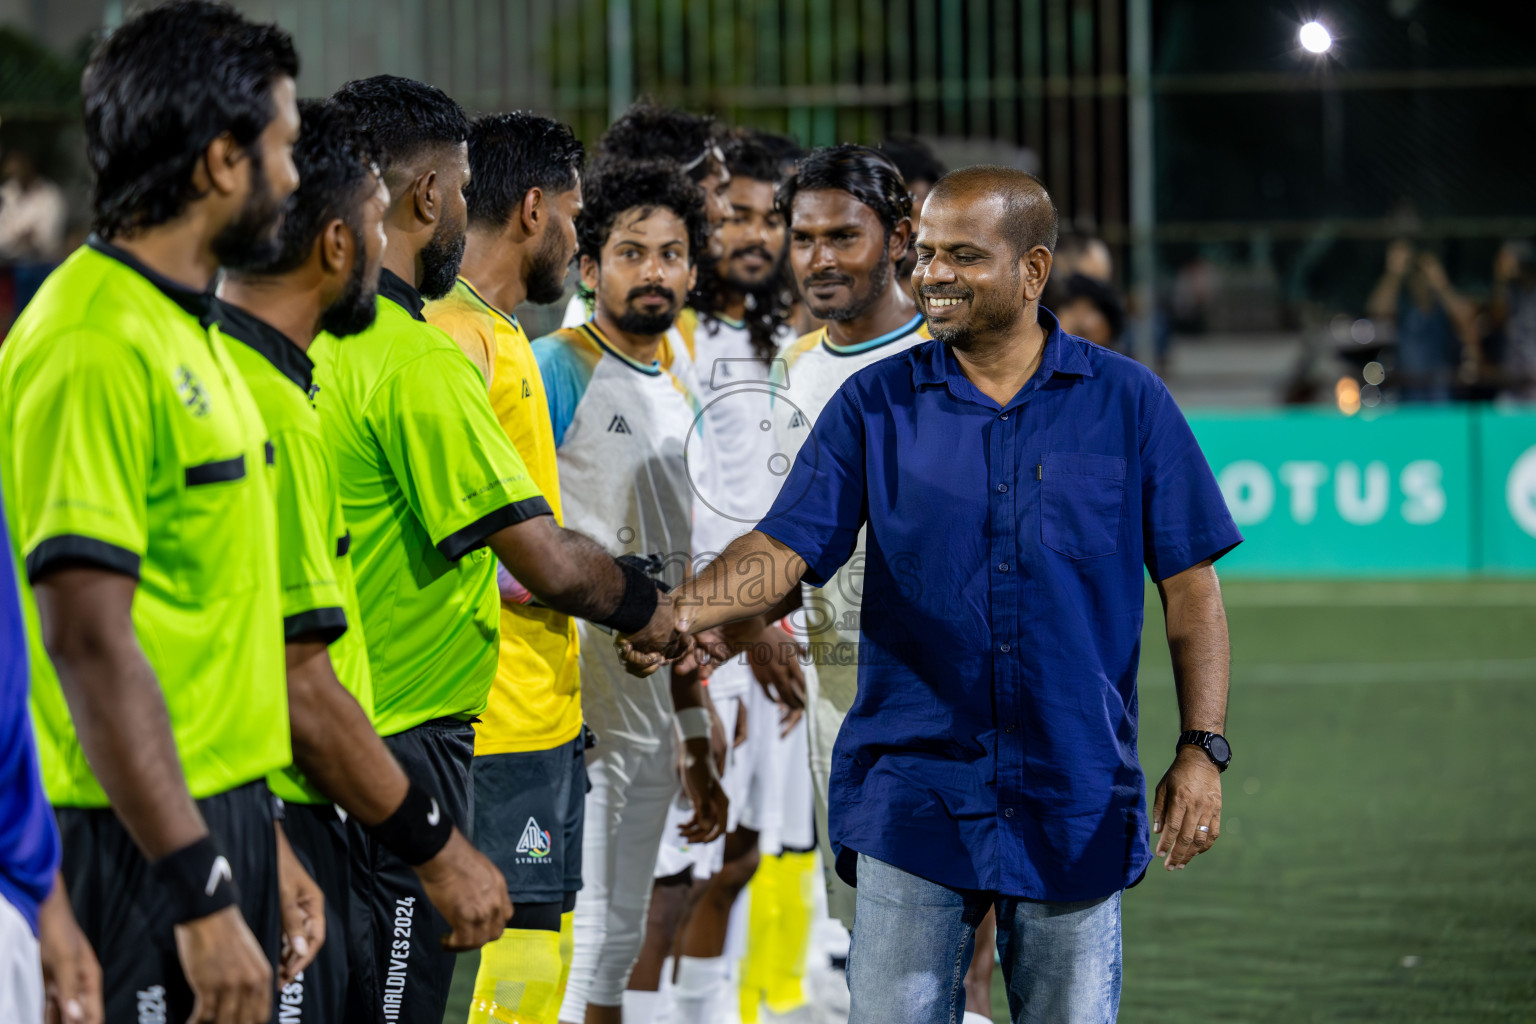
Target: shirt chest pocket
x=1082, y=497
x=216, y=535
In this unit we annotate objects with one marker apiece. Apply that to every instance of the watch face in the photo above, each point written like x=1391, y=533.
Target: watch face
x=1219, y=749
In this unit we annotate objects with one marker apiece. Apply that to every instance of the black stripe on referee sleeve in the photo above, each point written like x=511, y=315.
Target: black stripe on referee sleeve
x=318, y=625
x=219, y=472
x=72, y=551
x=344, y=544
x=461, y=542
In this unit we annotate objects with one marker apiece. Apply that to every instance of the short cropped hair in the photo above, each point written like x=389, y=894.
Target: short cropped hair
x=612, y=187
x=914, y=159
x=784, y=149
x=866, y=174
x=512, y=153
x=1031, y=212
x=403, y=117
x=748, y=155
x=335, y=158
x=647, y=131
x=159, y=90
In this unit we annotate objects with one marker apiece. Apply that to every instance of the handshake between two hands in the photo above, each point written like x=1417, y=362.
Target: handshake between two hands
x=664, y=640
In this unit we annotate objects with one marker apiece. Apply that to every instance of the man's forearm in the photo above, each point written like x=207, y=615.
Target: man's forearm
x=688, y=690
x=752, y=576
x=334, y=743
x=1199, y=646
x=118, y=710
x=563, y=569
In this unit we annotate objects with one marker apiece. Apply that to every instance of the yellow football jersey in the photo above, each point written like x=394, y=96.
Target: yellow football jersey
x=536, y=701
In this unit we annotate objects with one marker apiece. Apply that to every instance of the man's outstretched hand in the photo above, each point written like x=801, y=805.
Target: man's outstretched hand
x=655, y=645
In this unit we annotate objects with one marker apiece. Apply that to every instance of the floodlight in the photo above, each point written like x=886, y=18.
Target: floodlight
x=1315, y=38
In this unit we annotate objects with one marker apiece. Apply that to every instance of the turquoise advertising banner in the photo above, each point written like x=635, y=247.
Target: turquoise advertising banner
x=1318, y=493
x=1507, y=538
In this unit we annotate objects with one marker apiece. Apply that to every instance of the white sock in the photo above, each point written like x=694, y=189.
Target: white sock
x=640, y=1007
x=699, y=992
x=970, y=1017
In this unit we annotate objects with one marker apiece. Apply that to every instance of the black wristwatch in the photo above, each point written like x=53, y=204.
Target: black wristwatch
x=1213, y=743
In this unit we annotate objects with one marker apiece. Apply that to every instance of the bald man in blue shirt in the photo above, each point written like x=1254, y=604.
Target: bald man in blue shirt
x=1015, y=482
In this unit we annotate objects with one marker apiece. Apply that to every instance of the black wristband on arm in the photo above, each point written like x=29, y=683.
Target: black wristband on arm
x=638, y=602
x=418, y=830
x=198, y=881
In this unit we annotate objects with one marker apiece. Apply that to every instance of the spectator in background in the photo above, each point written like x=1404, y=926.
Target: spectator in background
x=1081, y=290
x=920, y=168
x=1512, y=315
x=1435, y=329
x=1088, y=255
x=32, y=217
x=1090, y=309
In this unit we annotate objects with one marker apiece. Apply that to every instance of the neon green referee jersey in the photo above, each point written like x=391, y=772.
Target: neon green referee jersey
x=129, y=442
x=314, y=564
x=427, y=475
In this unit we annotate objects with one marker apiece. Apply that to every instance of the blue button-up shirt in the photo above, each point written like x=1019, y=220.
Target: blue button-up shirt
x=992, y=743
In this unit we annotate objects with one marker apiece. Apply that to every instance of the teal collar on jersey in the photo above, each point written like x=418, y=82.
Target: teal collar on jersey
x=873, y=343
x=592, y=331
x=508, y=317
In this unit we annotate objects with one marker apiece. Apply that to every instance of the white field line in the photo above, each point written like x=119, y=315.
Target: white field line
x=1343, y=594
x=1332, y=673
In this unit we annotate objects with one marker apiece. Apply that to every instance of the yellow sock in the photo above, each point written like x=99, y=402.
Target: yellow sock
x=567, y=946
x=762, y=912
x=521, y=979
x=785, y=984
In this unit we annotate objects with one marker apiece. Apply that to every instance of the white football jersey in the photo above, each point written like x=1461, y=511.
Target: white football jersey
x=627, y=437
x=735, y=387
x=810, y=372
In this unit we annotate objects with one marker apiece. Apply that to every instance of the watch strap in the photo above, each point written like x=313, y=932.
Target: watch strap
x=1202, y=738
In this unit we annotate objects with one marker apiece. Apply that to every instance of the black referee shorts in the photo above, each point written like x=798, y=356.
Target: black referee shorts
x=400, y=973
x=122, y=908
x=319, y=840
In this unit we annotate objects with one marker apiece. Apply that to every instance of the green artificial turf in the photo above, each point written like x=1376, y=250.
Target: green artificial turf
x=1378, y=850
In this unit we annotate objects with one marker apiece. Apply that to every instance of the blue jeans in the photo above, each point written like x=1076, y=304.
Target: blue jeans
x=912, y=943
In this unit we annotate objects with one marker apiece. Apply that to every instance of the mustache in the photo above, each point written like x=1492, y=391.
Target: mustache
x=827, y=277
x=754, y=250
x=939, y=293
x=656, y=290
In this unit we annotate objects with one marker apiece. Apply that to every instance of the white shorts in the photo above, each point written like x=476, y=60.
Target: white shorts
x=626, y=808
x=768, y=781
x=789, y=821
x=21, y=972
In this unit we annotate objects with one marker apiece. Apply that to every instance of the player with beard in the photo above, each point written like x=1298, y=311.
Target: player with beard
x=132, y=458
x=738, y=337
x=325, y=278
x=431, y=486
x=530, y=765
x=848, y=210
x=649, y=132
x=625, y=436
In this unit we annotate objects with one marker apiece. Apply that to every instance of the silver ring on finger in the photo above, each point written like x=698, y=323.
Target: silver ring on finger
x=1202, y=828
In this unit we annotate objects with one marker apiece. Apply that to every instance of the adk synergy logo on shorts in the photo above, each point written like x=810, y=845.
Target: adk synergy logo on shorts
x=535, y=842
